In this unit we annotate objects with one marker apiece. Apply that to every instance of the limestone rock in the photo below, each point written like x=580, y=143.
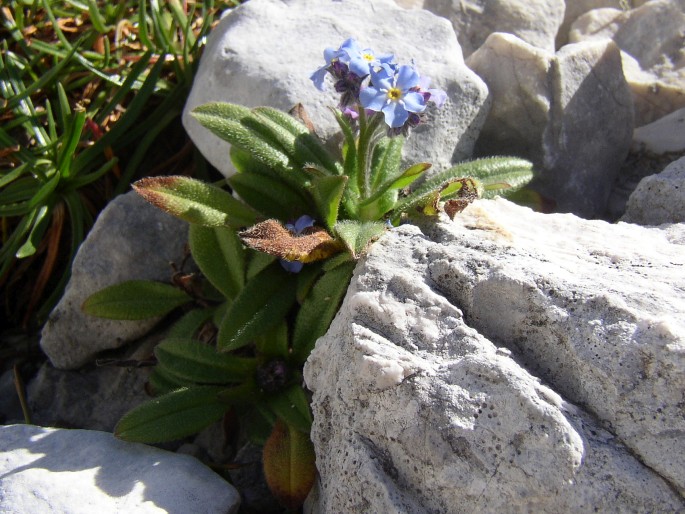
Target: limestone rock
x=575, y=9
x=81, y=472
x=263, y=52
x=570, y=112
x=474, y=363
x=534, y=21
x=518, y=78
x=665, y=135
x=651, y=39
x=130, y=240
x=659, y=198
x=590, y=128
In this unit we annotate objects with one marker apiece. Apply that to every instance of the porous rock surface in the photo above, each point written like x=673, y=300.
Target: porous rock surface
x=659, y=198
x=83, y=471
x=570, y=112
x=263, y=53
x=131, y=240
x=508, y=361
x=534, y=21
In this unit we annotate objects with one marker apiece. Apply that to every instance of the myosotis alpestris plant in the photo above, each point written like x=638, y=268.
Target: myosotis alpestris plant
x=276, y=263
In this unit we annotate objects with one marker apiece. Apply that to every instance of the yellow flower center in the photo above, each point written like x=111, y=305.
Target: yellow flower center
x=367, y=57
x=394, y=94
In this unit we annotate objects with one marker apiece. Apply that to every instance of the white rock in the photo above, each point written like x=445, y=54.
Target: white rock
x=651, y=39
x=570, y=112
x=518, y=78
x=534, y=21
x=665, y=135
x=82, y=472
x=576, y=8
x=458, y=425
x=263, y=52
x=659, y=198
x=131, y=240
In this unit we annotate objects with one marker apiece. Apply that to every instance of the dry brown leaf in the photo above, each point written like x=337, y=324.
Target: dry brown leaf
x=271, y=237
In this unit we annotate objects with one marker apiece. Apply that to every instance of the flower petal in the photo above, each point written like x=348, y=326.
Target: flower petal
x=407, y=77
x=383, y=77
x=438, y=97
x=291, y=266
x=318, y=76
x=372, y=98
x=395, y=114
x=303, y=222
x=359, y=66
x=414, y=102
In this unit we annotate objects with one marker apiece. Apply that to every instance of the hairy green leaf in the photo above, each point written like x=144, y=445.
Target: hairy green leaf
x=172, y=416
x=195, y=201
x=189, y=324
x=263, y=303
x=135, y=299
x=220, y=255
x=319, y=308
x=292, y=406
x=162, y=382
x=358, y=235
x=201, y=363
x=220, y=118
x=385, y=162
x=327, y=193
x=483, y=170
x=306, y=143
x=272, y=198
x=274, y=342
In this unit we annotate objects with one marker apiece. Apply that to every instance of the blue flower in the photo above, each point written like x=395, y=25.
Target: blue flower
x=363, y=61
x=350, y=63
x=394, y=93
x=302, y=223
x=330, y=55
x=437, y=96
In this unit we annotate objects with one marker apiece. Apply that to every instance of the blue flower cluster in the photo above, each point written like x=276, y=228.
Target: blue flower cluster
x=399, y=92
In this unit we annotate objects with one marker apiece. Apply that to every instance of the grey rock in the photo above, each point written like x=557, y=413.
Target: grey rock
x=263, y=52
x=534, y=21
x=130, y=240
x=651, y=39
x=590, y=128
x=10, y=408
x=82, y=471
x=570, y=112
x=93, y=397
x=508, y=361
x=659, y=198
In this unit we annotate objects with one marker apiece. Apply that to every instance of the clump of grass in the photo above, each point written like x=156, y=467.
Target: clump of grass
x=91, y=94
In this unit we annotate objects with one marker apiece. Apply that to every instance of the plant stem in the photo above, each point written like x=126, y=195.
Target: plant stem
x=365, y=144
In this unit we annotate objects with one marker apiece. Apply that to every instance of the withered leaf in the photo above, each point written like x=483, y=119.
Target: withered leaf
x=313, y=244
x=299, y=113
